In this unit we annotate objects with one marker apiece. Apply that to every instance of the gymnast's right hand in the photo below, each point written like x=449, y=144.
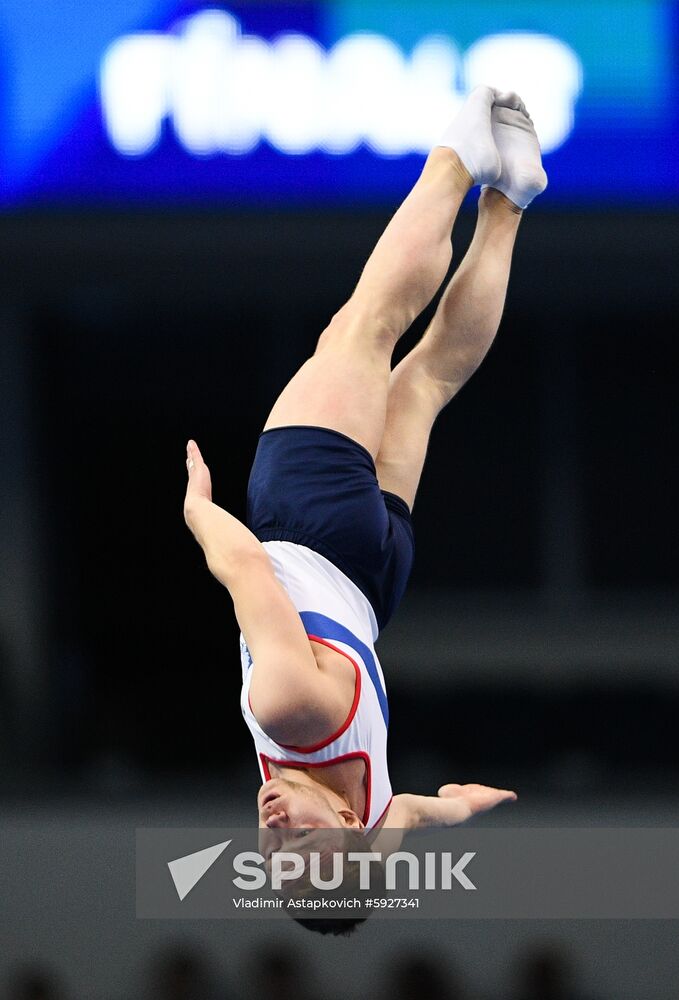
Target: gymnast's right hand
x=224, y=540
x=199, y=486
x=198, y=497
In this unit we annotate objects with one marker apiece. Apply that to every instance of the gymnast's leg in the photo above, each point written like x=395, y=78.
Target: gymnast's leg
x=344, y=386
x=468, y=315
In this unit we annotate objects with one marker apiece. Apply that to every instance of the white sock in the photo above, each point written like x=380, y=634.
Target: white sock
x=522, y=177
x=470, y=134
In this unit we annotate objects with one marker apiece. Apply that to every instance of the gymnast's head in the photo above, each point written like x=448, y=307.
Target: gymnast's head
x=316, y=873
x=303, y=804
x=312, y=821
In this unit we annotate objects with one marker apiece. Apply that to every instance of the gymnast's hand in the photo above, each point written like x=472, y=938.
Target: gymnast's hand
x=198, y=499
x=454, y=804
x=224, y=540
x=199, y=486
x=458, y=803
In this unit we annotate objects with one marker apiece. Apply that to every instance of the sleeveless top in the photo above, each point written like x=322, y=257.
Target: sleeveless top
x=337, y=614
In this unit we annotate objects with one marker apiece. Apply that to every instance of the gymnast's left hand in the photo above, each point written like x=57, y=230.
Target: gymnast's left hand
x=454, y=804
x=458, y=803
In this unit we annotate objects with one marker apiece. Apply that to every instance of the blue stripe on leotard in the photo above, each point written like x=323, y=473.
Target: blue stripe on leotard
x=326, y=628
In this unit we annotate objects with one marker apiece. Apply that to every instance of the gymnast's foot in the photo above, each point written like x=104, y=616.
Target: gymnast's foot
x=470, y=135
x=522, y=177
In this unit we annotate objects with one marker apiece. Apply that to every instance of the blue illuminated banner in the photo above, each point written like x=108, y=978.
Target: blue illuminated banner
x=141, y=102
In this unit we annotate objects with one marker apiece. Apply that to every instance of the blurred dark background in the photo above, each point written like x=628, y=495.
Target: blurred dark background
x=537, y=648
x=542, y=601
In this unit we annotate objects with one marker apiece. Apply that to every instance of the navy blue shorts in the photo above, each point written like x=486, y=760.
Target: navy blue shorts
x=318, y=488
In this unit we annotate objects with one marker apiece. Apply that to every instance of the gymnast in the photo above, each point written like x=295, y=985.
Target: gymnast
x=325, y=557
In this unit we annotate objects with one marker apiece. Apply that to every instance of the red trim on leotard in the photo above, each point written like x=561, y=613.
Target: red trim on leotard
x=355, y=754
x=352, y=711
x=383, y=813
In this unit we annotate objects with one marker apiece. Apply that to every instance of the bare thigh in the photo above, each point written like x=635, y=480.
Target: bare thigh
x=344, y=386
x=414, y=401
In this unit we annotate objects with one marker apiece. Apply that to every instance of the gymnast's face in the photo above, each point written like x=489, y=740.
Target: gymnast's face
x=290, y=805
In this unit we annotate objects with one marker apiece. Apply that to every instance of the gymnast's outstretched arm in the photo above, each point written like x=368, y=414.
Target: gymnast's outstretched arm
x=290, y=695
x=226, y=542
x=453, y=805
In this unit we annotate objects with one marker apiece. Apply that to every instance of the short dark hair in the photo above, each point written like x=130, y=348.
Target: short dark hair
x=341, y=927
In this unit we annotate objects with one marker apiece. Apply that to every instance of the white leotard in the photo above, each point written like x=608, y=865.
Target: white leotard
x=336, y=613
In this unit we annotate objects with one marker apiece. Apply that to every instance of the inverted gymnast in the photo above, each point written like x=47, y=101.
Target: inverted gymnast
x=325, y=558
